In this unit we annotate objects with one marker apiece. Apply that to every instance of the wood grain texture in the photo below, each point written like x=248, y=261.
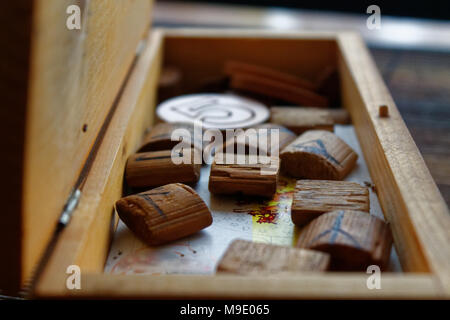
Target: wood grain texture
x=274, y=89
x=164, y=214
x=411, y=202
x=85, y=241
x=301, y=119
x=330, y=285
x=237, y=67
x=247, y=258
x=354, y=239
x=315, y=197
x=318, y=154
x=74, y=80
x=157, y=168
x=256, y=179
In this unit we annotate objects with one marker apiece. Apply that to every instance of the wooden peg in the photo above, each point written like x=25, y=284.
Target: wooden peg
x=159, y=138
x=164, y=214
x=152, y=169
x=271, y=146
x=312, y=198
x=383, y=111
x=354, y=239
x=274, y=89
x=301, y=119
x=318, y=154
x=246, y=258
x=258, y=179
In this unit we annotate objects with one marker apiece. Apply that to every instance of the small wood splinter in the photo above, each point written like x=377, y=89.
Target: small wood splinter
x=246, y=258
x=354, y=239
x=318, y=154
x=164, y=214
x=312, y=198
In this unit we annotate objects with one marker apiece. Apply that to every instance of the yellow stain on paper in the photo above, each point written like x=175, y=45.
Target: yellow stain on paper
x=271, y=219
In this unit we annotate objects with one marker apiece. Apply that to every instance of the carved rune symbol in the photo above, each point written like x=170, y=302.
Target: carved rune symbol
x=317, y=147
x=335, y=231
x=147, y=197
x=143, y=158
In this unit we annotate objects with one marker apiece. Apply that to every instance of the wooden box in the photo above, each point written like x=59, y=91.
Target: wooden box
x=47, y=165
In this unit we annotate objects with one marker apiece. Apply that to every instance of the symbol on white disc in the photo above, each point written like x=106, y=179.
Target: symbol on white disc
x=221, y=111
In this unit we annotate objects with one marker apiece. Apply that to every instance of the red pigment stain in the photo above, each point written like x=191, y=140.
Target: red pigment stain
x=265, y=214
x=267, y=211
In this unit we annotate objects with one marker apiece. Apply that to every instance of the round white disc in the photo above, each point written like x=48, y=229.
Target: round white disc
x=220, y=111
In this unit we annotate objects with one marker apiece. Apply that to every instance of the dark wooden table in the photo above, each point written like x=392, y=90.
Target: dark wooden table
x=419, y=82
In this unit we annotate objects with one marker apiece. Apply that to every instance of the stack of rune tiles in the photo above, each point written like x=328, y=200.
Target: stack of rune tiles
x=158, y=162
x=266, y=81
x=172, y=210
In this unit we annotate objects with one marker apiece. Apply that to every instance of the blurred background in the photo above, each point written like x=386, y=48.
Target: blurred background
x=411, y=49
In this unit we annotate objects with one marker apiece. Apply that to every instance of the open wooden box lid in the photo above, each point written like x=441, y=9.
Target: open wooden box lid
x=60, y=87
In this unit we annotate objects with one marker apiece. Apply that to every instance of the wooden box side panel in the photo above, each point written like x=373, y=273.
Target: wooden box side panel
x=201, y=57
x=411, y=202
x=85, y=241
x=75, y=76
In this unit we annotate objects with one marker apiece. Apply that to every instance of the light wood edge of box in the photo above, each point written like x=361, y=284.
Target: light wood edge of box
x=246, y=33
x=84, y=241
x=411, y=201
x=222, y=286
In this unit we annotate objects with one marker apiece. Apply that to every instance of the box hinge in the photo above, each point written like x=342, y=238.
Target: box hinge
x=69, y=208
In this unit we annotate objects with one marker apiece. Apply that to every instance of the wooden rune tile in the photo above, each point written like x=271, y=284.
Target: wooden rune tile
x=164, y=214
x=354, y=239
x=246, y=257
x=315, y=197
x=318, y=154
